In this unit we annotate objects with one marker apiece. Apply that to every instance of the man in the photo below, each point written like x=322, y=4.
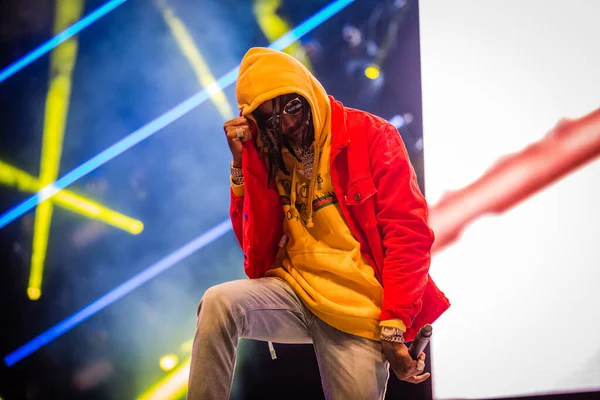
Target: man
x=326, y=207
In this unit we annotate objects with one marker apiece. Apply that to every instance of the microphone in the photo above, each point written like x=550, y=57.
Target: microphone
x=420, y=342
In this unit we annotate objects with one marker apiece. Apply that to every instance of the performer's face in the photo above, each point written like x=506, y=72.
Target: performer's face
x=287, y=113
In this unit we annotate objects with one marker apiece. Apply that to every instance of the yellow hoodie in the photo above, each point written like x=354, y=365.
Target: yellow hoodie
x=323, y=264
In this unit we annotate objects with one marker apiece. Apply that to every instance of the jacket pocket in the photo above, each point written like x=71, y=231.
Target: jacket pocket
x=360, y=190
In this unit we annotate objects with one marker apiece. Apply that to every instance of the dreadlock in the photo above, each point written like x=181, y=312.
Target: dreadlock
x=274, y=140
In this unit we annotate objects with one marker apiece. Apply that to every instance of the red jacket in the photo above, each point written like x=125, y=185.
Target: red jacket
x=379, y=198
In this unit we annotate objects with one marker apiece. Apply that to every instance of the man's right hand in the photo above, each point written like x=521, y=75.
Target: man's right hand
x=237, y=131
x=402, y=364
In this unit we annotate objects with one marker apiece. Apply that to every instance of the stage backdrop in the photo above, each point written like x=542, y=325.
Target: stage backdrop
x=523, y=281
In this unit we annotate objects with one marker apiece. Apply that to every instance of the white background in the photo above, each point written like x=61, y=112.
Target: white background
x=524, y=285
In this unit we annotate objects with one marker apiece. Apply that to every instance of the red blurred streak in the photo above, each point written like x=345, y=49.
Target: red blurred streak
x=515, y=177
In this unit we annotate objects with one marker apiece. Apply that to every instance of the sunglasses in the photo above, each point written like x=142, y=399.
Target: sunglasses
x=293, y=107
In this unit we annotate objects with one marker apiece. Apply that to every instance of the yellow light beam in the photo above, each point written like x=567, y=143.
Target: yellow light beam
x=172, y=386
x=273, y=27
x=62, y=62
x=195, y=58
x=96, y=211
x=14, y=177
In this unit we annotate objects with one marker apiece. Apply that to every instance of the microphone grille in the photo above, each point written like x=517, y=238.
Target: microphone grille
x=426, y=330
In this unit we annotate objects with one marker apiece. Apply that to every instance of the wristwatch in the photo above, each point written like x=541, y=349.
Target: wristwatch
x=389, y=334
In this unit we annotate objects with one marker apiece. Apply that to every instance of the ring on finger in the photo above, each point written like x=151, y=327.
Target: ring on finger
x=239, y=132
x=420, y=365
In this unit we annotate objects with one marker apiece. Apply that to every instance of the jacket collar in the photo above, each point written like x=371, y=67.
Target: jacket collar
x=339, y=133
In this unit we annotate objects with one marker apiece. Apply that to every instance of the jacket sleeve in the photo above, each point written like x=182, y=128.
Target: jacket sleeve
x=236, y=206
x=236, y=211
x=401, y=212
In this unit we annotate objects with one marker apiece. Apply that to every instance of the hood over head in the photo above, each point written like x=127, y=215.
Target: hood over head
x=266, y=73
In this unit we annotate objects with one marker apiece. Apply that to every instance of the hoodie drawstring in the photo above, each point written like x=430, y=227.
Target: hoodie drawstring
x=312, y=186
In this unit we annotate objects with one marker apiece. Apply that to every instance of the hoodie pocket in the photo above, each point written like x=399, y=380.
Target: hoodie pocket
x=333, y=266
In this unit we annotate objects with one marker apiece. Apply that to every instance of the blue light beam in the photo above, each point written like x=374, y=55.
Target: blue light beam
x=125, y=288
x=118, y=148
x=58, y=39
x=170, y=116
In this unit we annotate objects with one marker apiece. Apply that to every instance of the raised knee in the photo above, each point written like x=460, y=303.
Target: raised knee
x=217, y=312
x=218, y=299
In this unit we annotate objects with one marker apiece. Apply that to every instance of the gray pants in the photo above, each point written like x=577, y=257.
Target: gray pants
x=267, y=309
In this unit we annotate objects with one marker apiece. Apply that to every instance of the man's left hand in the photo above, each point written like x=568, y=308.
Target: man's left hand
x=403, y=365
